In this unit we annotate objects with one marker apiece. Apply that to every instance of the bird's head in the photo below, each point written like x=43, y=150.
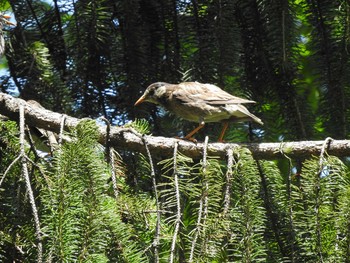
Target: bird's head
x=4, y=20
x=153, y=93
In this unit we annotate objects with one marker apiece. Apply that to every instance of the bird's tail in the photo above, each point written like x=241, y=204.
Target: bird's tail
x=249, y=116
x=256, y=119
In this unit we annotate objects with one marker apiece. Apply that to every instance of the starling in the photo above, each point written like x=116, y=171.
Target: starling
x=4, y=20
x=198, y=102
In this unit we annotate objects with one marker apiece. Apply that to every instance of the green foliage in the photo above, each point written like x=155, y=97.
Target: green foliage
x=140, y=125
x=16, y=227
x=9, y=142
x=73, y=196
x=199, y=210
x=9, y=145
x=81, y=220
x=315, y=203
x=88, y=58
x=247, y=215
x=279, y=233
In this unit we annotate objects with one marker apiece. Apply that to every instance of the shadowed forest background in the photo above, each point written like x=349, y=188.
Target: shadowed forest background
x=95, y=58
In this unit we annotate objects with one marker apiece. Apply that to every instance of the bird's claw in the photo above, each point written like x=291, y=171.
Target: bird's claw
x=191, y=140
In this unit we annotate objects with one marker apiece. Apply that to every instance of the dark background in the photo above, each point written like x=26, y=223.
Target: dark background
x=95, y=58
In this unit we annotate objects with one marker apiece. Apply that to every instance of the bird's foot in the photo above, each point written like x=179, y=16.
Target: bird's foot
x=191, y=140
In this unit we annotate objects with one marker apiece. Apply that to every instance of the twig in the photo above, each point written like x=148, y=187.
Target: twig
x=229, y=174
x=60, y=134
x=32, y=143
x=290, y=206
x=203, y=203
x=154, y=182
x=113, y=173
x=107, y=140
x=198, y=228
x=178, y=212
x=28, y=185
x=327, y=141
x=326, y=144
x=9, y=168
x=205, y=193
x=109, y=154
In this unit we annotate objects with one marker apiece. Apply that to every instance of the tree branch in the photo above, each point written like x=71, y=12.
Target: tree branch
x=129, y=139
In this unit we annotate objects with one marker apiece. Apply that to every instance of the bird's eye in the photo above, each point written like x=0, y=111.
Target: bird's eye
x=151, y=92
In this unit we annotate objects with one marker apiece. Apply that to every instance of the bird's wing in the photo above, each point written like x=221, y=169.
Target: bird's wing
x=207, y=93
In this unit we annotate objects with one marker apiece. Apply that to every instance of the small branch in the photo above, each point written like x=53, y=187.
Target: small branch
x=229, y=175
x=9, y=168
x=31, y=142
x=293, y=255
x=178, y=207
x=319, y=201
x=203, y=203
x=205, y=193
x=156, y=241
x=28, y=185
x=198, y=229
x=60, y=135
x=113, y=173
x=106, y=144
x=125, y=138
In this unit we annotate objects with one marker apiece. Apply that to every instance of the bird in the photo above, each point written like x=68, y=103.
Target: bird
x=4, y=20
x=199, y=102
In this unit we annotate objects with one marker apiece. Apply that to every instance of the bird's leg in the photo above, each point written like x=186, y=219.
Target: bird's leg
x=223, y=131
x=189, y=136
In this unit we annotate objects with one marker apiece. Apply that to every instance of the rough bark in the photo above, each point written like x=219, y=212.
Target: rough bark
x=130, y=140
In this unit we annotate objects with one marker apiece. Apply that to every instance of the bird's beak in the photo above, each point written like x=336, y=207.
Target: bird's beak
x=5, y=17
x=140, y=100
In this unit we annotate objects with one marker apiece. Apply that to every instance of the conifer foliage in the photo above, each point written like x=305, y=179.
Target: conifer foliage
x=238, y=210
x=82, y=201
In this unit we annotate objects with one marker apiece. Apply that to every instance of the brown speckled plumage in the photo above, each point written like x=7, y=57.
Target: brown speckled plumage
x=198, y=102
